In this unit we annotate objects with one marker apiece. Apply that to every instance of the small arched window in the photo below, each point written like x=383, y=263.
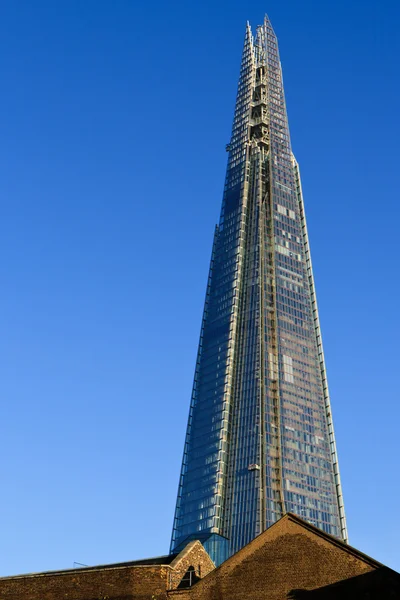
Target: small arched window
x=189, y=578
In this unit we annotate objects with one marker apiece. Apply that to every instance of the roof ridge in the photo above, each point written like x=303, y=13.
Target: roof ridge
x=186, y=551
x=328, y=536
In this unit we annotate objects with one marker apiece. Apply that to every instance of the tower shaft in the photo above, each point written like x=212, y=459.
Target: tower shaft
x=260, y=438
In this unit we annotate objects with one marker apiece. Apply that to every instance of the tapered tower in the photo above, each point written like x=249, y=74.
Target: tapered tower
x=260, y=439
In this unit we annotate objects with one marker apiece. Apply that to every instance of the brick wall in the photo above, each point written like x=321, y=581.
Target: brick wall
x=193, y=555
x=291, y=555
x=121, y=583
x=288, y=556
x=109, y=583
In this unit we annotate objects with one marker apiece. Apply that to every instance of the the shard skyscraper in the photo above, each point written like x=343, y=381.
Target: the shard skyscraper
x=260, y=439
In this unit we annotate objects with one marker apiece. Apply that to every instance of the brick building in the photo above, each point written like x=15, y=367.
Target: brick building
x=290, y=560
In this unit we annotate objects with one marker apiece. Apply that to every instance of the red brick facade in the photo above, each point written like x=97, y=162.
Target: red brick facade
x=290, y=555
x=292, y=559
x=121, y=582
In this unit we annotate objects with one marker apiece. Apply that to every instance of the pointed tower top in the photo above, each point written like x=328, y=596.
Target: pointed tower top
x=268, y=26
x=249, y=34
x=248, y=39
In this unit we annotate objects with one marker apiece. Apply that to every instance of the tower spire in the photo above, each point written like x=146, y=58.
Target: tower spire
x=260, y=438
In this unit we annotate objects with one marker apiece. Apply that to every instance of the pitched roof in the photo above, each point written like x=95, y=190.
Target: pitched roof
x=158, y=560
x=263, y=537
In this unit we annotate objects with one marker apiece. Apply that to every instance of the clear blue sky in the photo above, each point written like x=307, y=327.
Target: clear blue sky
x=113, y=122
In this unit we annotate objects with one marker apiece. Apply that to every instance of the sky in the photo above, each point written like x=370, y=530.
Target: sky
x=113, y=122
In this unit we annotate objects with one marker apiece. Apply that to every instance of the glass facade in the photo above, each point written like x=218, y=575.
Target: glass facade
x=260, y=439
